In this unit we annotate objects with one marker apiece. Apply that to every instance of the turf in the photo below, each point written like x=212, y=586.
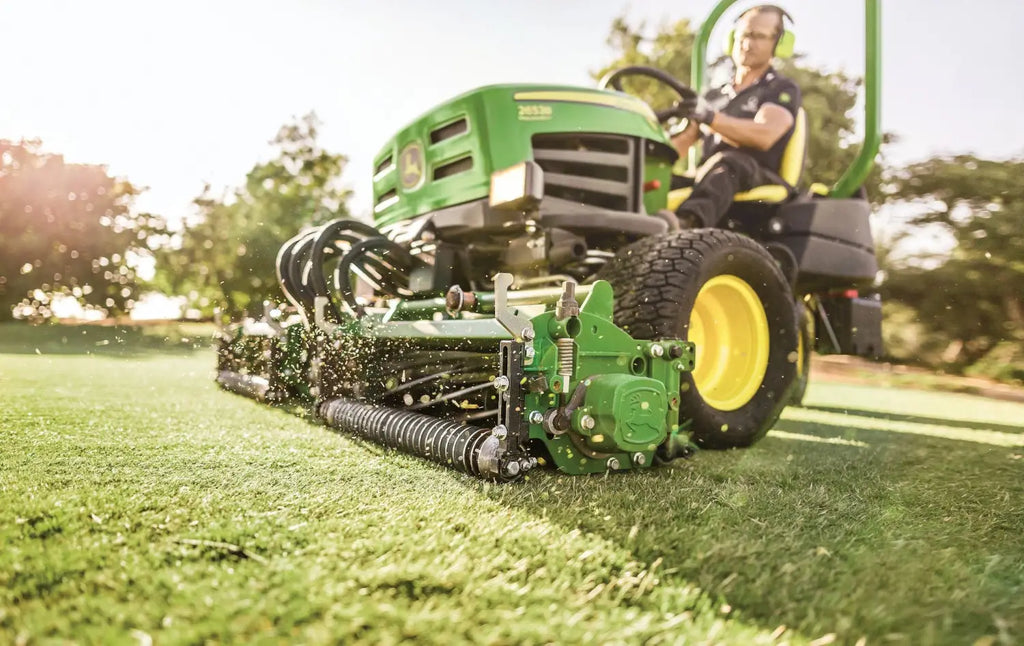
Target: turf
x=138, y=502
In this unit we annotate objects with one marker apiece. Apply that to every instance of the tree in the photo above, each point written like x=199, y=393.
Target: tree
x=971, y=299
x=65, y=229
x=226, y=253
x=828, y=97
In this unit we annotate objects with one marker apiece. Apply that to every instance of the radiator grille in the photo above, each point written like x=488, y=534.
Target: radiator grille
x=598, y=170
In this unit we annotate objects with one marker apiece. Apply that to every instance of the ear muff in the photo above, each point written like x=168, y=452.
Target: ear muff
x=783, y=48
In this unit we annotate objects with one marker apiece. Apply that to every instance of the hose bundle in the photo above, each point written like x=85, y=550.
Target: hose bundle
x=322, y=261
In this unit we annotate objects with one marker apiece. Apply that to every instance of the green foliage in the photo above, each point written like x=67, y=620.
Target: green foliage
x=828, y=97
x=64, y=229
x=226, y=254
x=973, y=300
x=668, y=50
x=184, y=514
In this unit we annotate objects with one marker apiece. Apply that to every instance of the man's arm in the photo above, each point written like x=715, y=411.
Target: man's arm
x=768, y=126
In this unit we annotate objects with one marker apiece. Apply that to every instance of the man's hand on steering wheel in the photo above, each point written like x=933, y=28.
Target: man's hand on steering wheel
x=701, y=112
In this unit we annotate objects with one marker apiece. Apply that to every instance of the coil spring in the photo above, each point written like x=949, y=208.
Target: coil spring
x=566, y=365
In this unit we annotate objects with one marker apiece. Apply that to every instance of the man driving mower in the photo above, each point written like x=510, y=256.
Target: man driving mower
x=745, y=124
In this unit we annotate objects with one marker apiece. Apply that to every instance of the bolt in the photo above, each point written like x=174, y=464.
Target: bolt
x=454, y=299
x=556, y=422
x=675, y=351
x=531, y=354
x=639, y=459
x=500, y=431
x=656, y=350
x=501, y=384
x=678, y=365
x=588, y=423
x=527, y=463
x=528, y=333
x=536, y=417
x=613, y=463
x=512, y=468
x=567, y=305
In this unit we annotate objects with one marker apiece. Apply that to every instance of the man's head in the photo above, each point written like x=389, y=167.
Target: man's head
x=757, y=32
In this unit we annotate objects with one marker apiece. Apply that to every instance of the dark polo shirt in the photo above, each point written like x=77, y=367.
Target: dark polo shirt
x=772, y=87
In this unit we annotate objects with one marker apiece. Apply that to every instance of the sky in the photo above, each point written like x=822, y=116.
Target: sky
x=172, y=95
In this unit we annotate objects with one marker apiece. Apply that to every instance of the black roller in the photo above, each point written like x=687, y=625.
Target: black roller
x=252, y=386
x=468, y=449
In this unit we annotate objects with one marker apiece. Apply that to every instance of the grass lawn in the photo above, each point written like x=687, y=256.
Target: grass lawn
x=139, y=502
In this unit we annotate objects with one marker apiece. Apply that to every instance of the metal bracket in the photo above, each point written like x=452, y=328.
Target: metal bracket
x=518, y=326
x=319, y=304
x=823, y=315
x=271, y=320
x=512, y=398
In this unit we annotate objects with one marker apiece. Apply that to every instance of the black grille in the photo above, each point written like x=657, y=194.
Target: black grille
x=448, y=131
x=382, y=165
x=453, y=168
x=386, y=196
x=599, y=170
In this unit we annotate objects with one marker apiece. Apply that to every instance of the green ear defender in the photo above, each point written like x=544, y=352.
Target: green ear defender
x=783, y=46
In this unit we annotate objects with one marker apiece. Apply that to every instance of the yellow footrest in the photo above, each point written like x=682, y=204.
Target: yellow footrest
x=770, y=193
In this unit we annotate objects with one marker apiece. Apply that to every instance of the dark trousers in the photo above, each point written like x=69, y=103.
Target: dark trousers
x=718, y=179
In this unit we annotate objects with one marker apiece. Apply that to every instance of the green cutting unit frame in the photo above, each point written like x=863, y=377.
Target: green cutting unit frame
x=523, y=297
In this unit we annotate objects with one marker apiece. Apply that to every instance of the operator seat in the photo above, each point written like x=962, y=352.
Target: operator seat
x=791, y=168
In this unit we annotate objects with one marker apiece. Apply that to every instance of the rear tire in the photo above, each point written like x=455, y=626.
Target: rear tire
x=805, y=346
x=724, y=292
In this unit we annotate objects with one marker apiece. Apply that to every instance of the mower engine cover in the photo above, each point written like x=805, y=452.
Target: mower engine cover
x=446, y=157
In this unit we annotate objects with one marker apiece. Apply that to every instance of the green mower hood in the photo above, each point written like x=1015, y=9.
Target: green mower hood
x=446, y=156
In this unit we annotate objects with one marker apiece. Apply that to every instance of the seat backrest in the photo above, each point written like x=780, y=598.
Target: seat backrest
x=792, y=165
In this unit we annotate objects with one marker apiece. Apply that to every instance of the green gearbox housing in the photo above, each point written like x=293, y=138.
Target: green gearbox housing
x=622, y=394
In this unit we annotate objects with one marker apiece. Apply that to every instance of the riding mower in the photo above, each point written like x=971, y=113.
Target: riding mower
x=525, y=298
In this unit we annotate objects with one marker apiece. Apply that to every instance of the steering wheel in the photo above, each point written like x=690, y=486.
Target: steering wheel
x=681, y=108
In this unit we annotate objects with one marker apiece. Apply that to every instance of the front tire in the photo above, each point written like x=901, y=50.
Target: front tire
x=724, y=292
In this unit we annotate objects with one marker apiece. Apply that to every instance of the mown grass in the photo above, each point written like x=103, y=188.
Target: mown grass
x=138, y=501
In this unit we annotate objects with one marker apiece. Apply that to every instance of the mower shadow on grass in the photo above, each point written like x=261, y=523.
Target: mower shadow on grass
x=118, y=341
x=808, y=534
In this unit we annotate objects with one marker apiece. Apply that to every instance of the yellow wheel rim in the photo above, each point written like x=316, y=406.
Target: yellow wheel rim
x=729, y=327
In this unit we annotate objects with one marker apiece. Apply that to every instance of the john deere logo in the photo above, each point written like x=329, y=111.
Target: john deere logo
x=410, y=166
